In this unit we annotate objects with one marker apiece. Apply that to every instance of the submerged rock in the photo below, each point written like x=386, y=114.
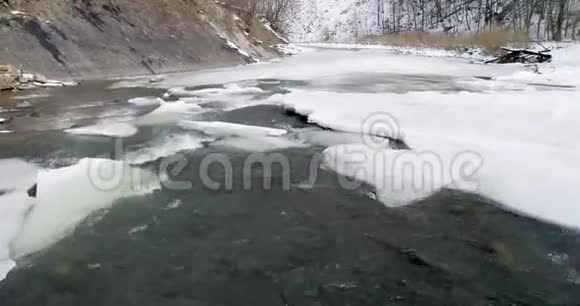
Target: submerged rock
x=24, y=104
x=32, y=191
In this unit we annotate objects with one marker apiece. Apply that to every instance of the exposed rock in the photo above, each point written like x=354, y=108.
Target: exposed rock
x=12, y=78
x=107, y=38
x=9, y=77
x=32, y=191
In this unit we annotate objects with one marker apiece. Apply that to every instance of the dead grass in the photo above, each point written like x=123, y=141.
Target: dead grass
x=489, y=41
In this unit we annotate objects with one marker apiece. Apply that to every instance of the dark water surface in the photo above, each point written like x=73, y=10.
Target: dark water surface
x=311, y=245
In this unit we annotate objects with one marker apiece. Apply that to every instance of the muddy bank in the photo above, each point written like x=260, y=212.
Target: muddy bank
x=105, y=38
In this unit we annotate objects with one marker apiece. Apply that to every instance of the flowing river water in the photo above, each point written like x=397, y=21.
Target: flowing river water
x=300, y=241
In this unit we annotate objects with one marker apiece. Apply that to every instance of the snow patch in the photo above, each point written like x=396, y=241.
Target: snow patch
x=243, y=53
x=268, y=26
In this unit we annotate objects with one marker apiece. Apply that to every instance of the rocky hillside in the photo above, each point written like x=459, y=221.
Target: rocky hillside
x=104, y=38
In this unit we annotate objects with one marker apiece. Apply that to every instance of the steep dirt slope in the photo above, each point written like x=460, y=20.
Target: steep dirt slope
x=98, y=38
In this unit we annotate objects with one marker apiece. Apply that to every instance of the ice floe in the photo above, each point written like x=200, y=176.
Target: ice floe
x=329, y=138
x=216, y=93
x=67, y=196
x=257, y=143
x=146, y=101
x=16, y=173
x=222, y=129
x=310, y=66
x=528, y=146
x=24, y=104
x=31, y=96
x=16, y=176
x=108, y=129
x=138, y=229
x=174, y=204
x=399, y=176
x=167, y=146
x=169, y=113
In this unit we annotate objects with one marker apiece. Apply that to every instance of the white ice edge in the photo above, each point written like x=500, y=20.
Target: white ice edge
x=111, y=129
x=165, y=147
x=529, y=153
x=65, y=197
x=221, y=129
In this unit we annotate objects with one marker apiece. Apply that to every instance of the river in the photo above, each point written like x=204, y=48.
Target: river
x=226, y=238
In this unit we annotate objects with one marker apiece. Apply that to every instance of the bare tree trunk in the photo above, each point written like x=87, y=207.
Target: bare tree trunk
x=560, y=17
x=542, y=18
x=252, y=9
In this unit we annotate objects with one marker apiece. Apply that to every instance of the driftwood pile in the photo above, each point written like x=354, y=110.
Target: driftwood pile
x=523, y=56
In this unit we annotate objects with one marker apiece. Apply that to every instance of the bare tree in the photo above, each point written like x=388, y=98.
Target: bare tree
x=275, y=10
x=551, y=19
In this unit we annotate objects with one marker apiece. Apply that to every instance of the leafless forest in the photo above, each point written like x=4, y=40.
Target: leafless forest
x=541, y=19
x=544, y=19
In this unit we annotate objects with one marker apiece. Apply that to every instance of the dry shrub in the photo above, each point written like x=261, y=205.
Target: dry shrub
x=489, y=41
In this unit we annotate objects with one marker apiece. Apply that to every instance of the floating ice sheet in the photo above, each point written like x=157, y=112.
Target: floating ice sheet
x=221, y=129
x=67, y=196
x=109, y=129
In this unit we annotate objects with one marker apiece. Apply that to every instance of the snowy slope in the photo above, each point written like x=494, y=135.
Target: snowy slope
x=350, y=20
x=332, y=20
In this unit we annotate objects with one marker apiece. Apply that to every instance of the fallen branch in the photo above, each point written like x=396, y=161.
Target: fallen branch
x=523, y=56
